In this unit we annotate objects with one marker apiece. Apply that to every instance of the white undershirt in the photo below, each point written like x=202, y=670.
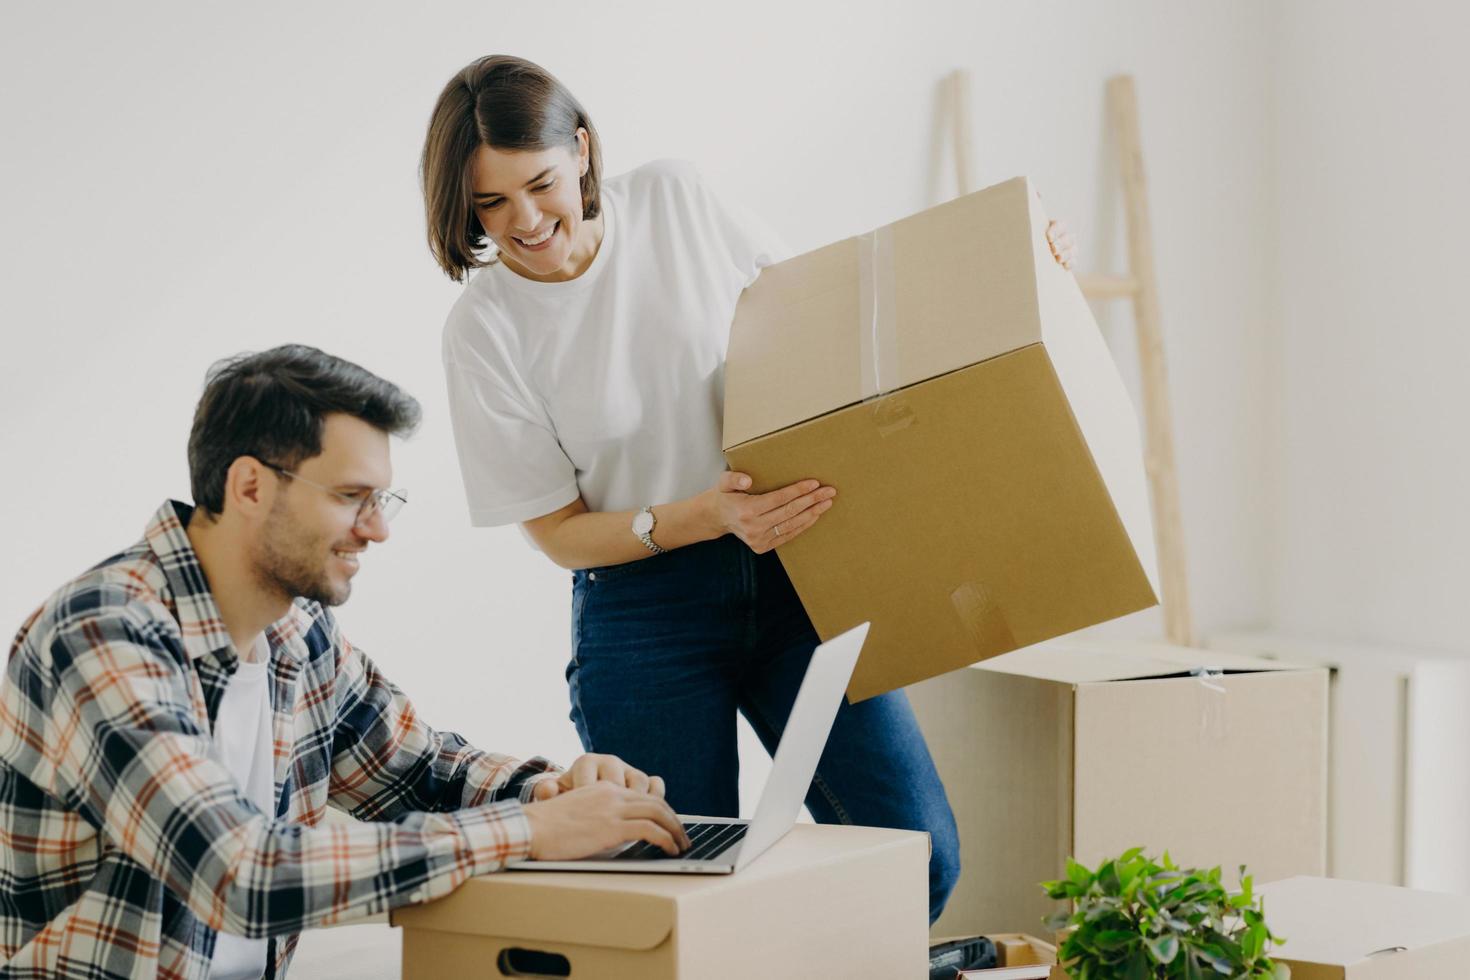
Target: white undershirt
x=242, y=744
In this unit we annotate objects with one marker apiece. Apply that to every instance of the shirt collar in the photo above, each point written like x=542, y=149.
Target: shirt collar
x=200, y=622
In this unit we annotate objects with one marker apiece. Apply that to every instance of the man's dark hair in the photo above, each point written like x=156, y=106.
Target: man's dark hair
x=272, y=405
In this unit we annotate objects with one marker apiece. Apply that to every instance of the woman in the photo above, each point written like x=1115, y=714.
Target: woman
x=585, y=371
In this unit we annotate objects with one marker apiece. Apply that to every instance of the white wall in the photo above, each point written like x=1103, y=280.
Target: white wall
x=185, y=181
x=1371, y=465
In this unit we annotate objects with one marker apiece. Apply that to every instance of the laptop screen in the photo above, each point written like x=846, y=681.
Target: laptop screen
x=803, y=740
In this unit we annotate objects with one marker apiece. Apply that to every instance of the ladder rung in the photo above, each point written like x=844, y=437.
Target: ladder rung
x=1108, y=287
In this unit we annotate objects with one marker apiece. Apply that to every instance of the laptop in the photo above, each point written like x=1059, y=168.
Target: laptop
x=724, y=845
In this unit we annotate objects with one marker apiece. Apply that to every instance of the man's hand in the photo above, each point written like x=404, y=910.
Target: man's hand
x=577, y=822
x=593, y=768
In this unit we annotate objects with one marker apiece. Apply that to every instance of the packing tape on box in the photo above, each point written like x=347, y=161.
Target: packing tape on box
x=877, y=328
x=1211, y=696
x=984, y=622
x=877, y=313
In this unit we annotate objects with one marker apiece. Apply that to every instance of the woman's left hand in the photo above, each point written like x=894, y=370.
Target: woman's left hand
x=1063, y=246
x=591, y=768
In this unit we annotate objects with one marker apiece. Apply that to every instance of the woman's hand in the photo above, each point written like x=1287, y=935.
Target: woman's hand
x=593, y=768
x=764, y=520
x=1063, y=245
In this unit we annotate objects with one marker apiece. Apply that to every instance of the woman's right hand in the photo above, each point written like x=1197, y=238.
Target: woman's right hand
x=765, y=520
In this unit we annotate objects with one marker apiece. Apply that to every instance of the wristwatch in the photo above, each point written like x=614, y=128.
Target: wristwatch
x=643, y=524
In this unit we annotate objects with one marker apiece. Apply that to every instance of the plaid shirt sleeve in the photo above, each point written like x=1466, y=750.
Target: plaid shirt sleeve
x=387, y=763
x=131, y=759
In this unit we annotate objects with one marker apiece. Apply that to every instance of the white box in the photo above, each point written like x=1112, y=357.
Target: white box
x=1399, y=758
x=1352, y=930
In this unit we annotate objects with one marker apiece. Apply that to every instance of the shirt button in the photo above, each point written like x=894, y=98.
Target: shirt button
x=416, y=895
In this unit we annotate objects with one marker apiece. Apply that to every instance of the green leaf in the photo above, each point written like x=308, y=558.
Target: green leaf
x=1220, y=964
x=1254, y=942
x=1078, y=874
x=1107, y=877
x=1164, y=948
x=1116, y=939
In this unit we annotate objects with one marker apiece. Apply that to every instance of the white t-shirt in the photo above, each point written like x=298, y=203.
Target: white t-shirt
x=243, y=745
x=610, y=385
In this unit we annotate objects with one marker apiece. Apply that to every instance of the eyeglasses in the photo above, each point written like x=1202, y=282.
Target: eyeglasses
x=385, y=502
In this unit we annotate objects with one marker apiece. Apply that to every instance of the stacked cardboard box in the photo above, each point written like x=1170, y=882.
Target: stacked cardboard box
x=1086, y=749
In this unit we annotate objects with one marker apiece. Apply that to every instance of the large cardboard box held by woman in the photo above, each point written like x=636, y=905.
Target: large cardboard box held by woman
x=947, y=377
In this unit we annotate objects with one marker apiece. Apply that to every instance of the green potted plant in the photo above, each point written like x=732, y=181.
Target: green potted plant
x=1135, y=918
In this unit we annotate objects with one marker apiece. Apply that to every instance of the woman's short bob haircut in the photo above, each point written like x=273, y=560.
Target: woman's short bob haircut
x=510, y=104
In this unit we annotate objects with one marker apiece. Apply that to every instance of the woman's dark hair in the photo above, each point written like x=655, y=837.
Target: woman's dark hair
x=510, y=104
x=272, y=406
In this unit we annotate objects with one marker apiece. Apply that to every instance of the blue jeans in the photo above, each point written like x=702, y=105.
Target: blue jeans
x=667, y=649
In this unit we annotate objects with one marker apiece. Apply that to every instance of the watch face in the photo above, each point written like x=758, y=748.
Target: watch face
x=643, y=523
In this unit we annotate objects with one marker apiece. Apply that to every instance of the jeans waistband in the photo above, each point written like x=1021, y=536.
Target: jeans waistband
x=724, y=557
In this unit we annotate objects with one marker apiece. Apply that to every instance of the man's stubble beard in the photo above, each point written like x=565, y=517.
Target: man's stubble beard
x=290, y=563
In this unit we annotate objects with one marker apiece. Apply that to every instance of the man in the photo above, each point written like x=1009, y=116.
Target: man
x=175, y=721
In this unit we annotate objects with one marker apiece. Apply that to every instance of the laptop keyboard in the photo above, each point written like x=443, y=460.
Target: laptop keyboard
x=705, y=841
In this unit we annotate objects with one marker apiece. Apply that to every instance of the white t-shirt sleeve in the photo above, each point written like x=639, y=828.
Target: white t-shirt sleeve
x=751, y=242
x=513, y=467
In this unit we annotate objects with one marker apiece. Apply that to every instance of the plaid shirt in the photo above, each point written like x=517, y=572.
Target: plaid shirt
x=124, y=848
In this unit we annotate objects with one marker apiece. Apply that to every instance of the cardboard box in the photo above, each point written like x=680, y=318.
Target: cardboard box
x=822, y=900
x=1350, y=930
x=1021, y=949
x=1016, y=949
x=947, y=377
x=1398, y=789
x=1086, y=749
